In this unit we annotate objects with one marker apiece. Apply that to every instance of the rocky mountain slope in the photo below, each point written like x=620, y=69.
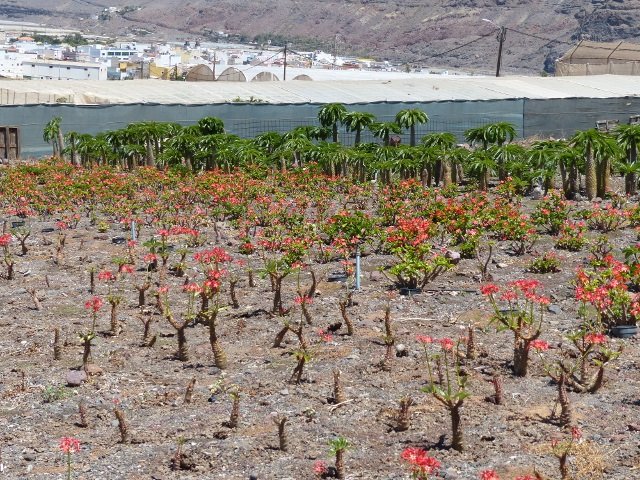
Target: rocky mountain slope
x=429, y=33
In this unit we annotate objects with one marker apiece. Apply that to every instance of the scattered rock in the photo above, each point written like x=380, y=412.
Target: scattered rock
x=555, y=309
x=537, y=193
x=94, y=370
x=75, y=378
x=501, y=265
x=401, y=350
x=453, y=256
x=376, y=276
x=29, y=457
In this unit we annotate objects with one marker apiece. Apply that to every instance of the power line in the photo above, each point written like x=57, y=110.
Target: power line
x=548, y=40
x=435, y=55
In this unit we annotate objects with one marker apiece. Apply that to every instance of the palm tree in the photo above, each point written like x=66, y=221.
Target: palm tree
x=409, y=118
x=211, y=126
x=444, y=142
x=71, y=139
x=492, y=134
x=145, y=134
x=597, y=149
x=548, y=155
x=268, y=141
x=628, y=138
x=330, y=115
x=52, y=133
x=481, y=165
x=330, y=156
x=356, y=122
x=384, y=130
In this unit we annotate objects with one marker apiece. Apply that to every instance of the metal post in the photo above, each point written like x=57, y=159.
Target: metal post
x=357, y=268
x=133, y=230
x=501, y=38
x=284, y=74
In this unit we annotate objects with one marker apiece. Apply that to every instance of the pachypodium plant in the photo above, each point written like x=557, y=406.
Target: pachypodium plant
x=583, y=366
x=522, y=313
x=418, y=262
x=563, y=449
x=548, y=262
x=551, y=213
x=338, y=447
x=571, y=236
x=7, y=257
x=450, y=388
x=420, y=463
x=212, y=262
x=605, y=287
x=69, y=446
x=605, y=218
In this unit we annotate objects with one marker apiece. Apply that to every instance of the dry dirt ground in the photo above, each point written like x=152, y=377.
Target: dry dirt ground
x=148, y=384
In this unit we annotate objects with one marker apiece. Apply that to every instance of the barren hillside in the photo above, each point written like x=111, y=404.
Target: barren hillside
x=413, y=31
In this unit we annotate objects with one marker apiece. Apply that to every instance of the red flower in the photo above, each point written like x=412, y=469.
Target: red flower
x=299, y=300
x=192, y=288
x=539, y=345
x=489, y=475
x=576, y=433
x=126, y=268
x=489, y=289
x=595, y=338
x=424, y=339
x=447, y=344
x=325, y=336
x=5, y=240
x=106, y=275
x=420, y=461
x=320, y=467
x=69, y=445
x=94, y=304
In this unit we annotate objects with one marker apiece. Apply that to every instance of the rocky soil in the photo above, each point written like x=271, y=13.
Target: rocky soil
x=148, y=384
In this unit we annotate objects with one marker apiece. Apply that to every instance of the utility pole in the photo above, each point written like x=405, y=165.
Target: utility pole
x=502, y=35
x=284, y=74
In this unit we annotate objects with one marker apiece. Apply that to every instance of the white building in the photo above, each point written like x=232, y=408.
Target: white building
x=52, y=70
x=11, y=62
x=119, y=53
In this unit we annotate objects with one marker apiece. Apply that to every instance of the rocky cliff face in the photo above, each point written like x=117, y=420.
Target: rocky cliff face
x=429, y=33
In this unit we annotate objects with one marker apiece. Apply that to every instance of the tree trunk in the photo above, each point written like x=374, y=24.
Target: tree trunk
x=150, y=160
x=340, y=464
x=520, y=358
x=446, y=173
x=630, y=184
x=183, y=353
x=219, y=356
x=591, y=175
x=456, y=428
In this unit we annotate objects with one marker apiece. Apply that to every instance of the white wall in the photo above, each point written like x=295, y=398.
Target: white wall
x=62, y=71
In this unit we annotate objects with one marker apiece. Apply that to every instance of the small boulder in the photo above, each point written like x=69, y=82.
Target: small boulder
x=453, y=256
x=75, y=378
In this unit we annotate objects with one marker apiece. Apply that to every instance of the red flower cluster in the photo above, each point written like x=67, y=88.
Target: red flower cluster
x=525, y=287
x=215, y=255
x=106, y=276
x=69, y=445
x=94, y=304
x=420, y=461
x=5, y=240
x=539, y=345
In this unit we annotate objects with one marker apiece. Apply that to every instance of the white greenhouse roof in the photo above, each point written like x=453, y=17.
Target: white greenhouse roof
x=392, y=88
